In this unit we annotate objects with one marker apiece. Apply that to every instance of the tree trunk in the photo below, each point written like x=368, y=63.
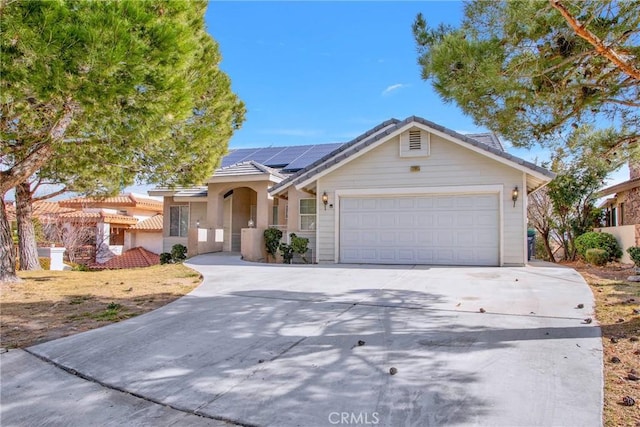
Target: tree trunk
x=7, y=253
x=27, y=245
x=547, y=247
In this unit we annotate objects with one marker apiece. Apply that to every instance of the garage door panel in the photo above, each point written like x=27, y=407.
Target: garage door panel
x=425, y=219
x=445, y=221
x=485, y=202
x=465, y=238
x=387, y=255
x=424, y=236
x=406, y=255
x=437, y=229
x=406, y=203
x=465, y=220
x=387, y=204
x=368, y=220
x=369, y=204
x=388, y=221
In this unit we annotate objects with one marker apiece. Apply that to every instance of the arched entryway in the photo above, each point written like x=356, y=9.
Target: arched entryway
x=239, y=211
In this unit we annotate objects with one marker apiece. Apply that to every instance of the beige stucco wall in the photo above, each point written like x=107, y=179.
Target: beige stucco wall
x=447, y=165
x=150, y=240
x=626, y=237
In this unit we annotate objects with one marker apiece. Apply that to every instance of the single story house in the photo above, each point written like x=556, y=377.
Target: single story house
x=622, y=211
x=404, y=192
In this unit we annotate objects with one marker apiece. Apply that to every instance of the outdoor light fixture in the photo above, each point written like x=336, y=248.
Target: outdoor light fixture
x=198, y=224
x=514, y=196
x=251, y=223
x=325, y=200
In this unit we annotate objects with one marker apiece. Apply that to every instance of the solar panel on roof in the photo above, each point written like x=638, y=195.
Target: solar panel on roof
x=314, y=153
x=286, y=156
x=238, y=156
x=262, y=155
x=290, y=158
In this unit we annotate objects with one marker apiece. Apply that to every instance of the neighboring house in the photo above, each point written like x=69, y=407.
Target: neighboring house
x=146, y=234
x=405, y=192
x=622, y=211
x=107, y=221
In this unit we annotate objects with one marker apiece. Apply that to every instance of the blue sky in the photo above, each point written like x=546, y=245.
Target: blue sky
x=314, y=72
x=319, y=72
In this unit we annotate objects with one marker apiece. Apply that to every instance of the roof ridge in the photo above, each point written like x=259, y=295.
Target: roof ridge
x=143, y=252
x=377, y=133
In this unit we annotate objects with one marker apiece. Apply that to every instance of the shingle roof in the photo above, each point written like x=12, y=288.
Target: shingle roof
x=133, y=258
x=490, y=139
x=123, y=200
x=150, y=224
x=385, y=129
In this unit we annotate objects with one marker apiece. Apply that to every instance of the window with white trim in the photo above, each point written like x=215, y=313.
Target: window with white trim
x=178, y=221
x=307, y=214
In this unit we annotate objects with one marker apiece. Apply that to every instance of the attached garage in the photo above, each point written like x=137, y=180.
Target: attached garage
x=453, y=229
x=416, y=193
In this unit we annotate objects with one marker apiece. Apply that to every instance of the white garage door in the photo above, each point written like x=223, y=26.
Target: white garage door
x=437, y=230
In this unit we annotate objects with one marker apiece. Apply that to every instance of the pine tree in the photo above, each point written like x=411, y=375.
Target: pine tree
x=536, y=71
x=96, y=95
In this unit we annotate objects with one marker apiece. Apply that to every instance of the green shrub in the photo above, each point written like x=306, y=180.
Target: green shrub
x=81, y=267
x=597, y=256
x=604, y=241
x=287, y=253
x=300, y=245
x=272, y=238
x=178, y=253
x=165, y=258
x=634, y=253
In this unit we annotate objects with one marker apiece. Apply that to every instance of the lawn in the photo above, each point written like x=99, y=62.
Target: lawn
x=618, y=312
x=51, y=304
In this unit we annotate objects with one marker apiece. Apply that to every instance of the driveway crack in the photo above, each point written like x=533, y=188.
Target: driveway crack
x=139, y=396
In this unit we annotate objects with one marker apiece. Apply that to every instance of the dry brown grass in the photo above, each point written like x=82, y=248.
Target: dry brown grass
x=616, y=300
x=53, y=304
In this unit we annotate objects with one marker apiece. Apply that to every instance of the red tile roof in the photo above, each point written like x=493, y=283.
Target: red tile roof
x=93, y=217
x=41, y=210
x=123, y=200
x=150, y=224
x=133, y=258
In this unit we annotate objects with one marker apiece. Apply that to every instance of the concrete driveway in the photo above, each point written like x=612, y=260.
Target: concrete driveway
x=274, y=345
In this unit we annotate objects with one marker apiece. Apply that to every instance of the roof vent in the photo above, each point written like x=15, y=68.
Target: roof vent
x=415, y=140
x=414, y=143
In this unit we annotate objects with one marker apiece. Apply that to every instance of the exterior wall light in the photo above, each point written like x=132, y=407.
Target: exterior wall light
x=198, y=224
x=325, y=200
x=250, y=223
x=514, y=195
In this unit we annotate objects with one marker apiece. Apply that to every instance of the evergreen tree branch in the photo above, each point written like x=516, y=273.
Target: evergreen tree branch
x=592, y=39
